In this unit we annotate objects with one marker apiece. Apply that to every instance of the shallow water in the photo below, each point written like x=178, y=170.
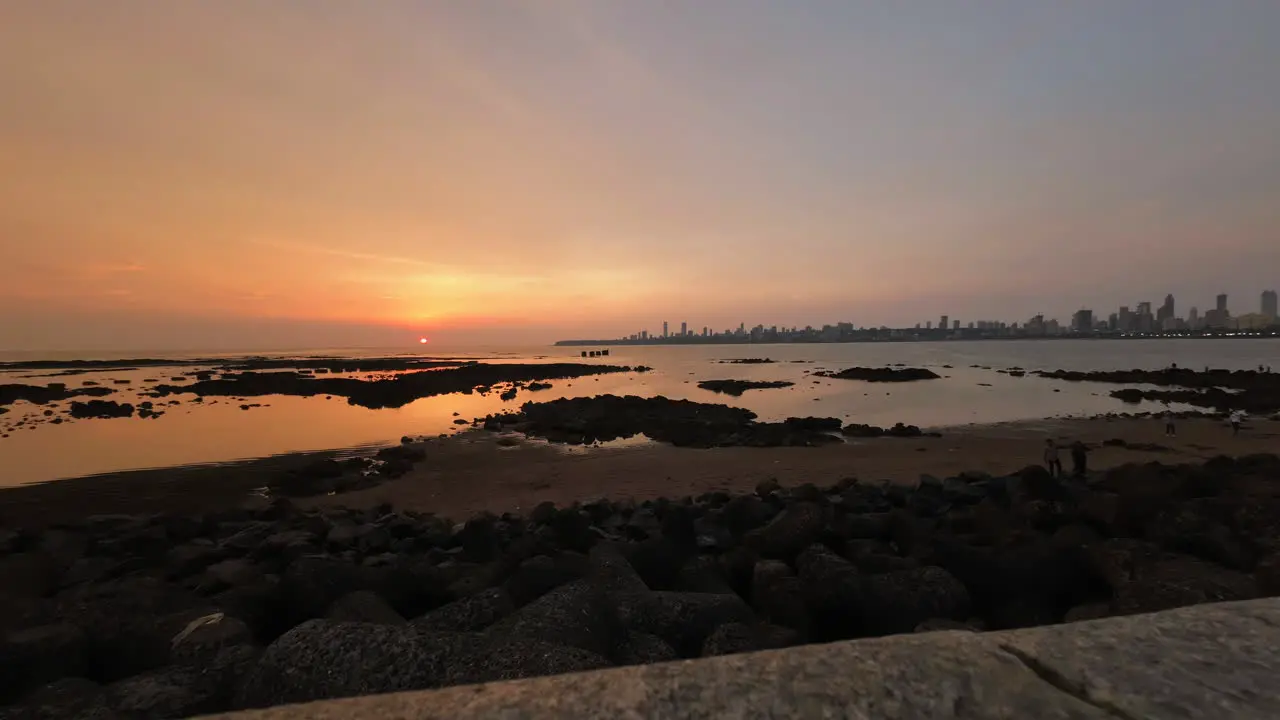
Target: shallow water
x=218, y=430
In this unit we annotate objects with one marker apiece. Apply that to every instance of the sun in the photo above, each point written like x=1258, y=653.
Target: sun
x=422, y=341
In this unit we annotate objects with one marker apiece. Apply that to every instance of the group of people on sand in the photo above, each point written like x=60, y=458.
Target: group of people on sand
x=1080, y=452
x=1079, y=458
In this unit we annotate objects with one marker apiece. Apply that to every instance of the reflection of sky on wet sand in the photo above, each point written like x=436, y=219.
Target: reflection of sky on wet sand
x=218, y=430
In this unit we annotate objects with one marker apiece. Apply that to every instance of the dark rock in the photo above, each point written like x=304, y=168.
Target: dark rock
x=231, y=573
x=744, y=513
x=34, y=656
x=542, y=574
x=28, y=575
x=322, y=659
x=100, y=409
x=658, y=561
x=737, y=387
x=881, y=374
x=779, y=596
x=469, y=614
x=204, y=637
x=732, y=638
x=478, y=538
x=363, y=606
x=261, y=607
x=69, y=697
x=169, y=693
x=311, y=584
x=576, y=615
x=765, y=488
x=794, y=529
x=642, y=649
x=684, y=620
x=704, y=574
x=943, y=624
x=186, y=560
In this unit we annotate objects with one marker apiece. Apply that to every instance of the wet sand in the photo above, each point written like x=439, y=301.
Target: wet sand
x=472, y=472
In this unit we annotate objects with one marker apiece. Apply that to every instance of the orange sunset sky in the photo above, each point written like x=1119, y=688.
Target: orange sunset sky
x=256, y=174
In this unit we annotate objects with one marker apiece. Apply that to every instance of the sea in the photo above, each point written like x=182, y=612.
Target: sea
x=971, y=391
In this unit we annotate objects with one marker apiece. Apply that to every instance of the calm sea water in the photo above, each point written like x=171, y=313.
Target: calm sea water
x=218, y=430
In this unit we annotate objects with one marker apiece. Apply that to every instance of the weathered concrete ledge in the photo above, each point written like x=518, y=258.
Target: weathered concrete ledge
x=1215, y=661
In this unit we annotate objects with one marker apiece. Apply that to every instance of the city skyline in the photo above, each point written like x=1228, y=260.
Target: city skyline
x=1139, y=319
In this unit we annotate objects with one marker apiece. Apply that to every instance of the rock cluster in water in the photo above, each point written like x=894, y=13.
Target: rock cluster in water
x=883, y=374
x=388, y=392
x=683, y=423
x=1221, y=390
x=171, y=616
x=737, y=387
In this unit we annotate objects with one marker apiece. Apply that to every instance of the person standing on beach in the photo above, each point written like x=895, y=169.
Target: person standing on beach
x=1051, y=459
x=1079, y=459
x=1236, y=417
x=1170, y=430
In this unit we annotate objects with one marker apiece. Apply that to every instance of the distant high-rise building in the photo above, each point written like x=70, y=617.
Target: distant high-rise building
x=1193, y=319
x=684, y=329
x=1125, y=320
x=664, y=329
x=943, y=324
x=928, y=325
x=1222, y=303
x=1269, y=304
x=955, y=324
x=1165, y=312
x=1082, y=321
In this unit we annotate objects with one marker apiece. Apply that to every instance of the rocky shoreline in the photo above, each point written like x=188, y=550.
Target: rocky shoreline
x=683, y=423
x=882, y=374
x=1221, y=390
x=391, y=392
x=174, y=615
x=737, y=387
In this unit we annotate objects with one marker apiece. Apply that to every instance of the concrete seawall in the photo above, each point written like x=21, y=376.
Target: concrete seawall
x=1219, y=662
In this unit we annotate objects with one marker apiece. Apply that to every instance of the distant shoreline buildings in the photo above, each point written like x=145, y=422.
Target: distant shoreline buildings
x=1125, y=323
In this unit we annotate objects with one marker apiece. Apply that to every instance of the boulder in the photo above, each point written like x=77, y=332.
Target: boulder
x=323, y=659
x=794, y=529
x=235, y=572
x=683, y=620
x=312, y=583
x=638, y=648
x=29, y=575
x=778, y=595
x=541, y=574
x=206, y=636
x=38, y=655
x=185, y=560
x=744, y=513
x=69, y=697
x=469, y=614
x=174, y=692
x=705, y=574
x=899, y=601
x=736, y=637
x=363, y=606
x=577, y=615
x=1177, y=580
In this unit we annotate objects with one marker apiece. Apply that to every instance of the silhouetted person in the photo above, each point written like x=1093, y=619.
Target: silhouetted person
x=1237, y=417
x=1170, y=430
x=1051, y=459
x=1079, y=459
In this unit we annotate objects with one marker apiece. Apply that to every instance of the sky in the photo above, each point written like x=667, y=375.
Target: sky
x=328, y=173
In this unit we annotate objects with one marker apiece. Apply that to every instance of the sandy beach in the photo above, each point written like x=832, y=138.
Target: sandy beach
x=472, y=472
